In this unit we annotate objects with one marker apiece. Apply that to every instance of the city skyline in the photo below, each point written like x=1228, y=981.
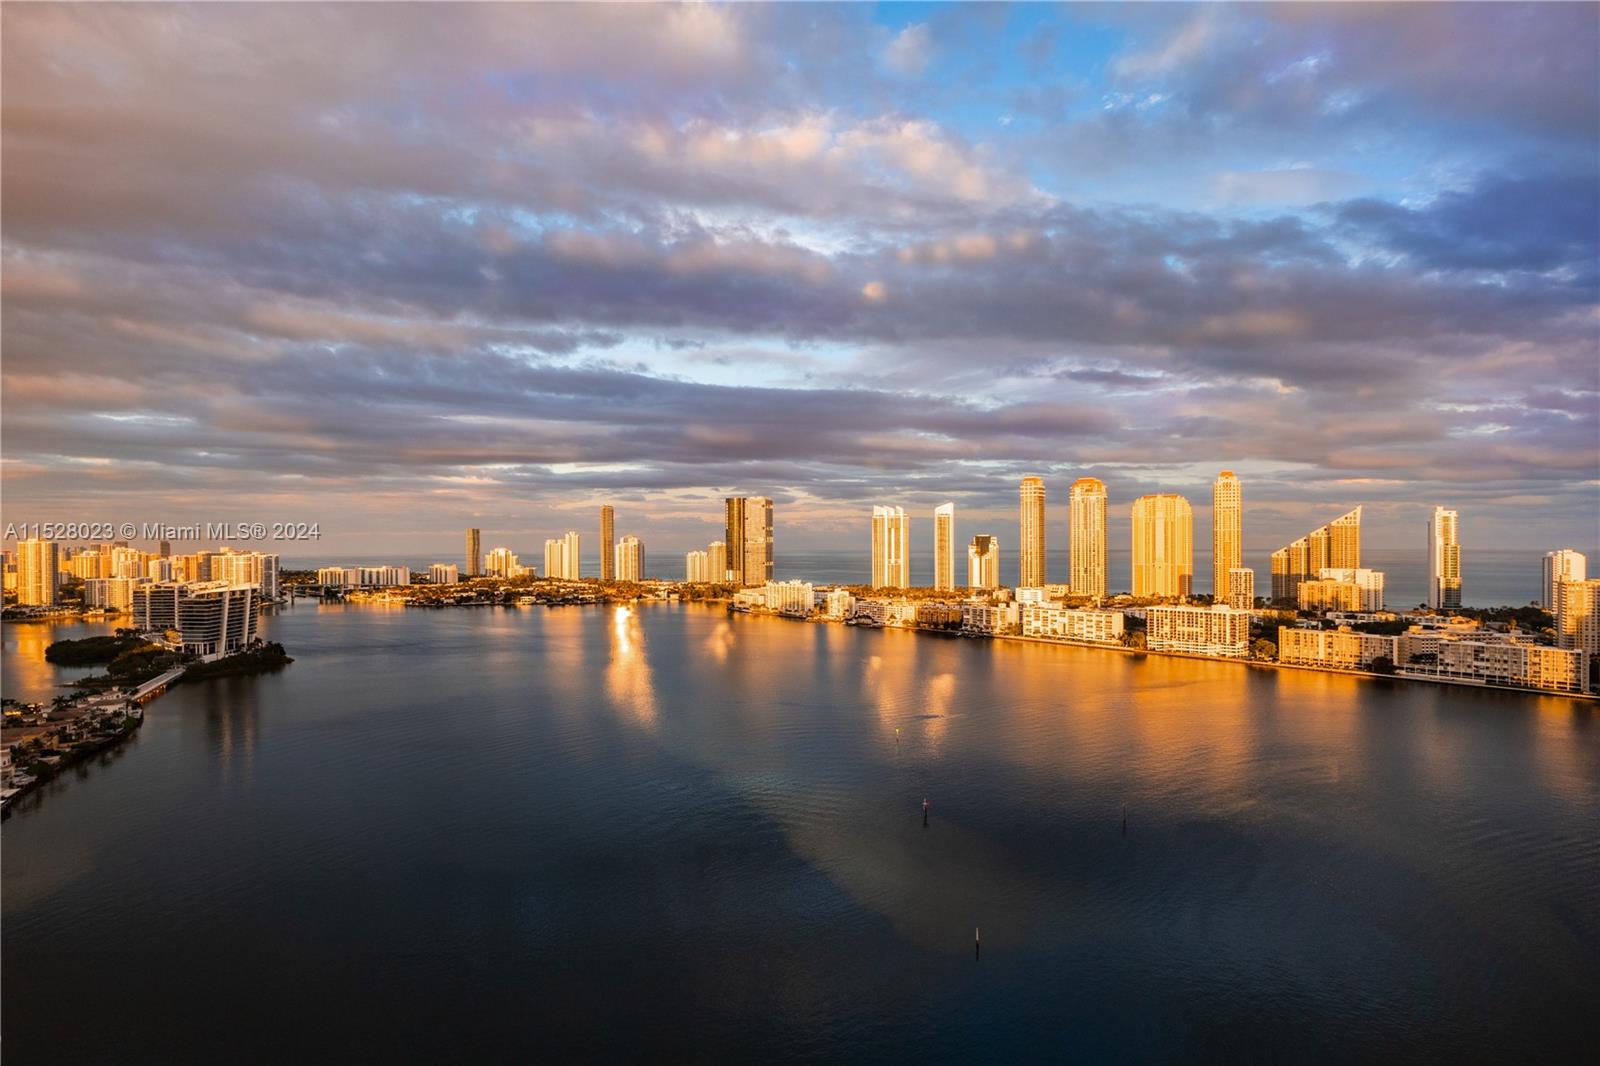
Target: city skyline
x=1370, y=282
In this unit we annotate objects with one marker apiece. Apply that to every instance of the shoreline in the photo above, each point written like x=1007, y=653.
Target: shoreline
x=1260, y=664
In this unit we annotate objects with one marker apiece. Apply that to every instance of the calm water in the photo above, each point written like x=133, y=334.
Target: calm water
x=487, y=835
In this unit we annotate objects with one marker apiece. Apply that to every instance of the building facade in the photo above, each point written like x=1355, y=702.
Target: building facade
x=1051, y=621
x=474, y=553
x=38, y=569
x=1086, y=540
x=1030, y=542
x=1163, y=546
x=749, y=539
x=1444, y=559
x=944, y=546
x=983, y=562
x=608, y=543
x=891, y=548
x=444, y=573
x=1219, y=630
x=1336, y=545
x=1227, y=532
x=208, y=619
x=629, y=559
x=1560, y=566
x=1241, y=588
x=1578, y=615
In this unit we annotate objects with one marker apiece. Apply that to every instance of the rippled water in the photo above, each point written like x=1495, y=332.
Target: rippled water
x=581, y=833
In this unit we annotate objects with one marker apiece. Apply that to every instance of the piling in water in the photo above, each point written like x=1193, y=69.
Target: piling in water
x=977, y=945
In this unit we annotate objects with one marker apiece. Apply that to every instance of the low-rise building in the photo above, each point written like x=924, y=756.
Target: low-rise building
x=1219, y=630
x=990, y=619
x=1054, y=622
x=789, y=597
x=1502, y=662
x=1336, y=649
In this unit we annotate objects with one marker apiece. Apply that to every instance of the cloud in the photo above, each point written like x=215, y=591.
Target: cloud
x=910, y=51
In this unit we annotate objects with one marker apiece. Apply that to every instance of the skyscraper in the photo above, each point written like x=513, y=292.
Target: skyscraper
x=1227, y=532
x=572, y=554
x=1030, y=546
x=944, y=546
x=474, y=565
x=1163, y=545
x=983, y=562
x=1086, y=524
x=1444, y=560
x=629, y=553
x=561, y=557
x=1563, y=564
x=1336, y=545
x=37, y=564
x=717, y=562
x=891, y=548
x=749, y=539
x=1578, y=615
x=608, y=542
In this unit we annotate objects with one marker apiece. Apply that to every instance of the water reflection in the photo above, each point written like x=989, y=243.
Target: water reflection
x=628, y=677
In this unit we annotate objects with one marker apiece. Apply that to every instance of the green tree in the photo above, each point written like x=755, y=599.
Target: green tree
x=1264, y=649
x=1381, y=665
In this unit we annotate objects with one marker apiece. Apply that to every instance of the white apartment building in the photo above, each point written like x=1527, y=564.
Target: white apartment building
x=1055, y=622
x=990, y=619
x=444, y=573
x=1560, y=566
x=1219, y=630
x=209, y=618
x=1341, y=649
x=790, y=597
x=112, y=593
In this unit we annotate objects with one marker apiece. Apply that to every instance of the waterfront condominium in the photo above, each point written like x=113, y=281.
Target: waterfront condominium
x=1163, y=545
x=608, y=543
x=944, y=546
x=37, y=564
x=1336, y=545
x=749, y=540
x=1241, y=588
x=1030, y=544
x=1563, y=564
x=891, y=548
x=717, y=562
x=474, y=565
x=1086, y=526
x=1227, y=532
x=983, y=562
x=561, y=557
x=629, y=552
x=1578, y=615
x=1444, y=560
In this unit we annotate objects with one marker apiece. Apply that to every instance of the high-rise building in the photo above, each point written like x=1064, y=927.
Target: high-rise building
x=1563, y=564
x=717, y=562
x=1241, y=588
x=166, y=550
x=212, y=618
x=749, y=539
x=503, y=562
x=38, y=562
x=1163, y=545
x=695, y=568
x=1030, y=546
x=1336, y=545
x=1444, y=560
x=1086, y=525
x=608, y=543
x=1578, y=615
x=983, y=562
x=944, y=546
x=444, y=573
x=562, y=557
x=1227, y=531
x=474, y=565
x=629, y=559
x=891, y=547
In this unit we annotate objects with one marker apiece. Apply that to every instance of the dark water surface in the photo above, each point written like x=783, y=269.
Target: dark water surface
x=486, y=835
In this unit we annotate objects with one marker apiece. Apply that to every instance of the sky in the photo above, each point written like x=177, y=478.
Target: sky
x=398, y=270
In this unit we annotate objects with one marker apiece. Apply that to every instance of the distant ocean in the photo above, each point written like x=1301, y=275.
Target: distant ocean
x=1489, y=578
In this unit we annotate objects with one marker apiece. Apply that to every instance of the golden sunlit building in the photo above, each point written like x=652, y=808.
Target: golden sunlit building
x=1086, y=527
x=38, y=562
x=1561, y=566
x=1227, y=531
x=983, y=562
x=629, y=559
x=608, y=544
x=474, y=554
x=1030, y=543
x=1163, y=545
x=944, y=546
x=1578, y=615
x=1241, y=588
x=749, y=539
x=1444, y=559
x=1336, y=545
x=891, y=548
